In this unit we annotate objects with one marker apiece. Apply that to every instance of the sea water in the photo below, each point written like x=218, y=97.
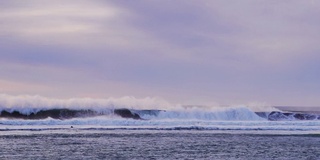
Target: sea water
x=76, y=143
x=34, y=127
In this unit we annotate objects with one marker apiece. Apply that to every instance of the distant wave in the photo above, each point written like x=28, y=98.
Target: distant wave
x=66, y=114
x=277, y=116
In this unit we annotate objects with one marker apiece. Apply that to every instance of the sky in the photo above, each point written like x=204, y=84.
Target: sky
x=188, y=52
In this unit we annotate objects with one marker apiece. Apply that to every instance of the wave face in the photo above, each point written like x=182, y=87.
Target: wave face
x=130, y=113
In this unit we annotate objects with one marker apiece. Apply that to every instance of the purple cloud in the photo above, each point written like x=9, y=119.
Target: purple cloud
x=187, y=52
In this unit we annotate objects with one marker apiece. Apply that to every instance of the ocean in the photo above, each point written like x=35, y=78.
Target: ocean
x=37, y=128
x=157, y=144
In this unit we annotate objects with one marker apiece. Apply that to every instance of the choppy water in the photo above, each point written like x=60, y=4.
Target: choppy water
x=33, y=127
x=146, y=144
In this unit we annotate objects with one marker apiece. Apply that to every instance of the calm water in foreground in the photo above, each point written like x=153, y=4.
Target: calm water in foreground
x=144, y=144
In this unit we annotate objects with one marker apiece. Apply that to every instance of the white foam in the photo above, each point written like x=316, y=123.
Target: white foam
x=171, y=116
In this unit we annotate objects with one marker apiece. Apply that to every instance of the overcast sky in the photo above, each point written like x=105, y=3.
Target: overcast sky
x=188, y=52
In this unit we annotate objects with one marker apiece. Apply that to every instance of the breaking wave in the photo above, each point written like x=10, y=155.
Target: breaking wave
x=150, y=113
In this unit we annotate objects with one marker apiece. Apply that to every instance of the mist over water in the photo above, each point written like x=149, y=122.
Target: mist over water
x=28, y=104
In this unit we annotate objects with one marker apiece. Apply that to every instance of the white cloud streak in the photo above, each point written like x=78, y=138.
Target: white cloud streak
x=224, y=51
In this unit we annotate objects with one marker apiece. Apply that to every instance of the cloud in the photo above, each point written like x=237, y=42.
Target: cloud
x=190, y=51
x=55, y=22
x=259, y=30
x=68, y=24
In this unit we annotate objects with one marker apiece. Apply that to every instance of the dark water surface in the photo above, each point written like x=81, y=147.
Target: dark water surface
x=124, y=144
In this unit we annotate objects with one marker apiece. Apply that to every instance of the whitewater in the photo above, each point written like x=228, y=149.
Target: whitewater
x=35, y=127
x=128, y=113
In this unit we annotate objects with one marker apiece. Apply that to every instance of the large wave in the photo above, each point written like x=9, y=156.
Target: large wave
x=155, y=113
x=37, y=107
